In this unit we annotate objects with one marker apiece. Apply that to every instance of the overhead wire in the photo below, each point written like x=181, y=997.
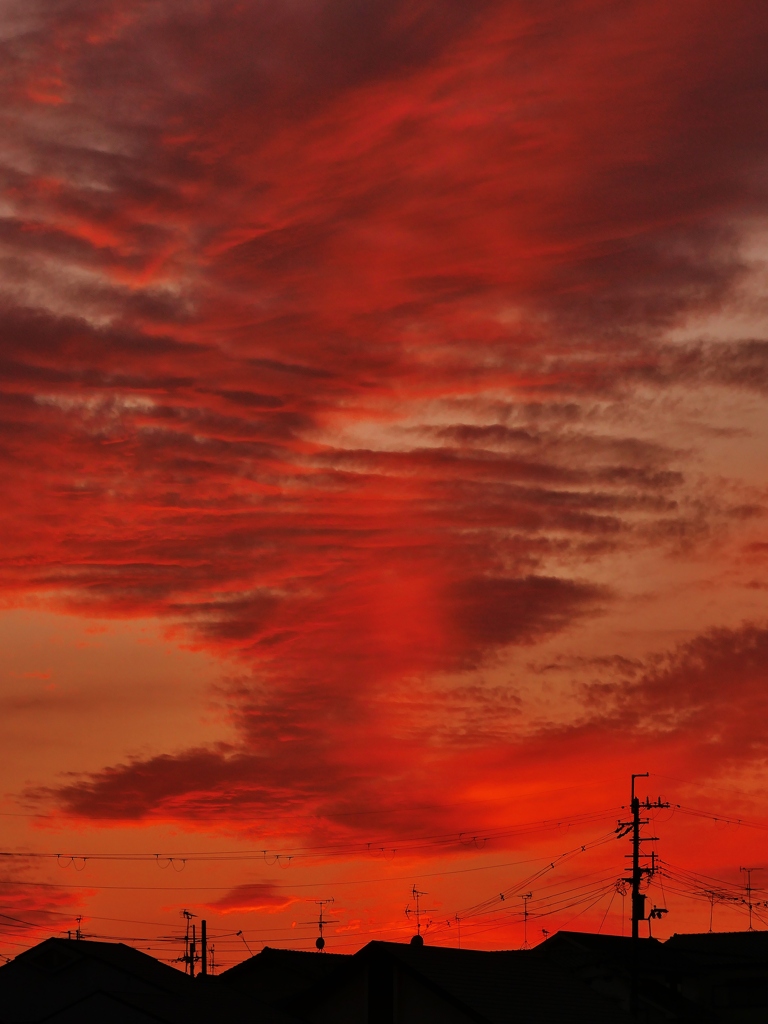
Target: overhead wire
x=488, y=904
x=463, y=838
x=487, y=915
x=724, y=819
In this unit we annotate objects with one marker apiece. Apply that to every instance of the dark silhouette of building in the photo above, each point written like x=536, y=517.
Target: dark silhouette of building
x=70, y=981
x=393, y=983
x=571, y=978
x=727, y=971
x=697, y=979
x=275, y=975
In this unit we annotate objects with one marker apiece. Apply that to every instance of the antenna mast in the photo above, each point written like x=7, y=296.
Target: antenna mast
x=417, y=939
x=320, y=941
x=748, y=872
x=525, y=898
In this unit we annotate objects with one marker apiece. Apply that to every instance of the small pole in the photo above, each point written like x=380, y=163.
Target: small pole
x=748, y=872
x=204, y=947
x=528, y=896
x=192, y=947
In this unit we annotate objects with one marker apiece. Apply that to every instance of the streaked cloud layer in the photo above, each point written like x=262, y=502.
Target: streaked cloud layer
x=409, y=358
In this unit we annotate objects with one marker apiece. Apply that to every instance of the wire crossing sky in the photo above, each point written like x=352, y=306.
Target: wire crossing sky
x=382, y=432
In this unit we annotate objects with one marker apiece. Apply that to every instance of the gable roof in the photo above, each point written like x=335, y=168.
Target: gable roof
x=486, y=986
x=276, y=974
x=574, y=949
x=70, y=980
x=58, y=957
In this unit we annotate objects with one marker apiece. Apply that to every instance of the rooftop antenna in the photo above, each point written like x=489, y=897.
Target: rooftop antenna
x=78, y=933
x=246, y=944
x=322, y=922
x=525, y=898
x=717, y=896
x=711, y=896
x=417, y=939
x=748, y=872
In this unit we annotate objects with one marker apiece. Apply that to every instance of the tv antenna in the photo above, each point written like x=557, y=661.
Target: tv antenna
x=322, y=922
x=748, y=872
x=525, y=898
x=417, y=911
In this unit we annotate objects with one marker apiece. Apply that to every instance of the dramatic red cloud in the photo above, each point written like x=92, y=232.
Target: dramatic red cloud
x=262, y=898
x=411, y=360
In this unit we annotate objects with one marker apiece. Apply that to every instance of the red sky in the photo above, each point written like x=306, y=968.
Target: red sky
x=382, y=432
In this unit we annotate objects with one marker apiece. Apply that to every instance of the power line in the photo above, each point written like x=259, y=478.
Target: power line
x=722, y=819
x=464, y=838
x=272, y=885
x=539, y=900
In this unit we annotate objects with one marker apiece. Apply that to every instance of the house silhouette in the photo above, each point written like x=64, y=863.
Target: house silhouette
x=571, y=978
x=395, y=983
x=76, y=981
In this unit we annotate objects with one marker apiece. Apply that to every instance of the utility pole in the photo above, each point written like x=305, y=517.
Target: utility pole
x=204, y=947
x=748, y=872
x=189, y=947
x=639, y=871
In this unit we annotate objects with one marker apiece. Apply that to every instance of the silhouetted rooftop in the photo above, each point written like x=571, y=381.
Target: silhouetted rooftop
x=572, y=947
x=488, y=986
x=84, y=982
x=744, y=945
x=276, y=974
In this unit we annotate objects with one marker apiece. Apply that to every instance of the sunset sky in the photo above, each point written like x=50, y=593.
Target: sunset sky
x=383, y=438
